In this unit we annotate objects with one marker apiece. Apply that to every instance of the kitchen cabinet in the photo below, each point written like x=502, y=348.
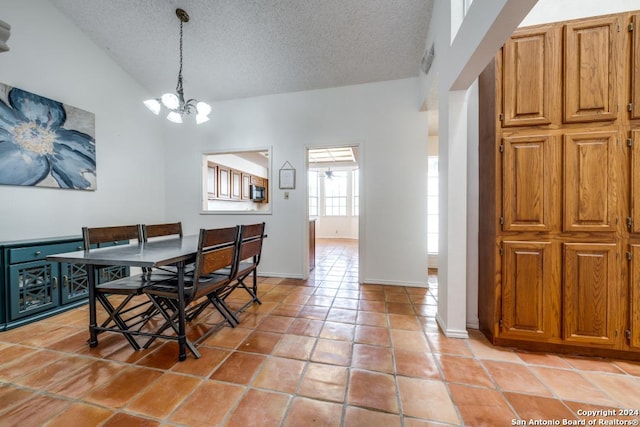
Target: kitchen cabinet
x=591, y=286
x=531, y=179
x=225, y=183
x=236, y=184
x=246, y=186
x=212, y=181
x=32, y=288
x=589, y=185
x=532, y=77
x=530, y=291
x=559, y=162
x=594, y=64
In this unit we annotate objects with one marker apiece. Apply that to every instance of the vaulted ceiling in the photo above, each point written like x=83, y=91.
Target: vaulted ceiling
x=241, y=48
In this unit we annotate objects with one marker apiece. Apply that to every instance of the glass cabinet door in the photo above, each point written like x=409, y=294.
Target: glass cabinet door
x=33, y=287
x=75, y=284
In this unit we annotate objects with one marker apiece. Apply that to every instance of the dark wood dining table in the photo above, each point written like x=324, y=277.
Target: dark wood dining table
x=175, y=251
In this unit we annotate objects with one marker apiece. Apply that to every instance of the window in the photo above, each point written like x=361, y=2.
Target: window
x=432, y=204
x=355, y=191
x=227, y=177
x=313, y=193
x=335, y=194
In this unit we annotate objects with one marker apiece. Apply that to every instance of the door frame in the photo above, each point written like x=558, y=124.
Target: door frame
x=359, y=144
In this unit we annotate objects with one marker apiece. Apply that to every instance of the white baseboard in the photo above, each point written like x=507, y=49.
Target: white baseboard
x=396, y=283
x=432, y=260
x=451, y=333
x=473, y=324
x=280, y=275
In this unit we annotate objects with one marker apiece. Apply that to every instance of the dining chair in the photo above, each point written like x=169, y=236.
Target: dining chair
x=151, y=232
x=217, y=250
x=249, y=254
x=122, y=316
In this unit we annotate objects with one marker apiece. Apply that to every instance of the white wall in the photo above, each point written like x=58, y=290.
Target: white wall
x=381, y=117
x=337, y=227
x=49, y=56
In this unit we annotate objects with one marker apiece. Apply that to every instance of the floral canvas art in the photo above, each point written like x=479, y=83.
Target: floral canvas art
x=45, y=143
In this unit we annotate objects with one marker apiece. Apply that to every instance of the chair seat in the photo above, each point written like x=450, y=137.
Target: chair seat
x=243, y=269
x=124, y=286
x=168, y=288
x=166, y=273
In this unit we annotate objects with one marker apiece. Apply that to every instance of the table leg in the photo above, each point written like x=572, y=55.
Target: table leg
x=91, y=278
x=182, y=335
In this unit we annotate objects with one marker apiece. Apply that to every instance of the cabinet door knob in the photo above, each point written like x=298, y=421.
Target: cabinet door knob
x=65, y=281
x=37, y=253
x=55, y=283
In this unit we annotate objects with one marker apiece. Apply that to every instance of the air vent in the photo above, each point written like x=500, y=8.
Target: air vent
x=427, y=59
x=5, y=32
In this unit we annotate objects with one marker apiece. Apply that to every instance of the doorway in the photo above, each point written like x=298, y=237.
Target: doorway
x=334, y=190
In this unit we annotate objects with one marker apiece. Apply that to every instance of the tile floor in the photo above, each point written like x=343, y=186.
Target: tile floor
x=325, y=352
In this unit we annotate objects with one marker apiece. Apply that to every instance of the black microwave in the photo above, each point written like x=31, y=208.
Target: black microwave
x=257, y=193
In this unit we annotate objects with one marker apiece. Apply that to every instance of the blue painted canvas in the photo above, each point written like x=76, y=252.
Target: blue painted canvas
x=45, y=143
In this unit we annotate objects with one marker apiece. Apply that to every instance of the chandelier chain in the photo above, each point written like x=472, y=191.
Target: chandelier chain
x=179, y=86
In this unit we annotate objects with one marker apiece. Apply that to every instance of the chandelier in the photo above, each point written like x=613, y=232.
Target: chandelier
x=174, y=102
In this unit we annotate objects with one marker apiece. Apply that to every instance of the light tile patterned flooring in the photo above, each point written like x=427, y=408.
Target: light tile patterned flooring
x=325, y=352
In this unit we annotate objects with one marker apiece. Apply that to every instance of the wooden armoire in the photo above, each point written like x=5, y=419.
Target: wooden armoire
x=559, y=263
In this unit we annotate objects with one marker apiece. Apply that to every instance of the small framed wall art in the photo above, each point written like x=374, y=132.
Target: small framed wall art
x=287, y=177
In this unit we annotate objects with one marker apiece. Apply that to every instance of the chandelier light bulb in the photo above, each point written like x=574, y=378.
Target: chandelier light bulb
x=170, y=101
x=174, y=117
x=201, y=118
x=153, y=105
x=203, y=108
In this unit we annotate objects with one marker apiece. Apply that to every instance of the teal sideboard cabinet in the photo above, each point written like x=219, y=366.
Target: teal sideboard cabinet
x=32, y=288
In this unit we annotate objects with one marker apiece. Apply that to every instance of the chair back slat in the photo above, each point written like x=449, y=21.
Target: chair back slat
x=97, y=235
x=217, y=249
x=218, y=236
x=217, y=259
x=149, y=231
x=251, y=237
x=250, y=248
x=253, y=230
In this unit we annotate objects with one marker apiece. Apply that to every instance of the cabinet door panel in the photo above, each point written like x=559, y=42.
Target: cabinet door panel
x=246, y=186
x=236, y=184
x=224, y=182
x=529, y=174
x=212, y=181
x=635, y=182
x=634, y=295
x=589, y=194
x=531, y=76
x=530, y=297
x=33, y=287
x=590, y=293
x=635, y=68
x=591, y=69
x=75, y=282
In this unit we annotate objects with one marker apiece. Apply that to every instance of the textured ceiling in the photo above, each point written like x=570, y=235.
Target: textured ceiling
x=242, y=48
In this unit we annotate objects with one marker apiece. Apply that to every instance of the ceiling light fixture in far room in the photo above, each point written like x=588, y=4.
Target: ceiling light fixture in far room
x=174, y=102
x=328, y=174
